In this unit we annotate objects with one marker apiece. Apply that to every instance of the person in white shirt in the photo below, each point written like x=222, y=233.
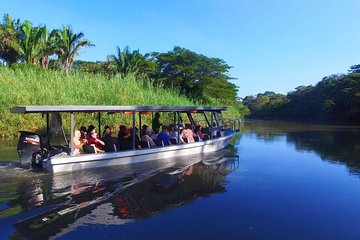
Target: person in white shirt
x=175, y=135
x=147, y=137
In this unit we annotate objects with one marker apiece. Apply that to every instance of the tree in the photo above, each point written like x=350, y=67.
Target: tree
x=127, y=62
x=355, y=69
x=68, y=45
x=195, y=75
x=94, y=67
x=9, y=40
x=29, y=46
x=47, y=42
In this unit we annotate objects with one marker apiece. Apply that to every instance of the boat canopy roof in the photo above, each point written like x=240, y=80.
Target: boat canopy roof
x=113, y=109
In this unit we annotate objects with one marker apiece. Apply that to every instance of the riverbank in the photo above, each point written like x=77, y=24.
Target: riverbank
x=29, y=85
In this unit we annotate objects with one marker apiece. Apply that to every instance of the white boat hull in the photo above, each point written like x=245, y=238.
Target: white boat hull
x=85, y=161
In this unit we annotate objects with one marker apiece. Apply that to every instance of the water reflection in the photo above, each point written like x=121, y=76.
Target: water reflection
x=340, y=144
x=34, y=205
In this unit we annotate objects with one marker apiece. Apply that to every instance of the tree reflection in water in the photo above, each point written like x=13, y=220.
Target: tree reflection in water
x=333, y=143
x=51, y=205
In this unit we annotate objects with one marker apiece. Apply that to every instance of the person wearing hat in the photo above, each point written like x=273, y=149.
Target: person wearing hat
x=147, y=137
x=164, y=136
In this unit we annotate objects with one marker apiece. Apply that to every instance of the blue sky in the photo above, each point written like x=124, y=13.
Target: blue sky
x=271, y=45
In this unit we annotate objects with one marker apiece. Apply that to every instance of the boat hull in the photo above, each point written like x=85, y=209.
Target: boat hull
x=87, y=161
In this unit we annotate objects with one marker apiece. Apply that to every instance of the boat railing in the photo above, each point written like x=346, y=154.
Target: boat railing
x=233, y=124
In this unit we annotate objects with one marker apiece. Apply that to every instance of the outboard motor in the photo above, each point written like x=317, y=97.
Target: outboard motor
x=30, y=150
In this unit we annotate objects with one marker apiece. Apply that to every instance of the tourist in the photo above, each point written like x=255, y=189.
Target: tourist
x=175, y=135
x=90, y=128
x=83, y=132
x=188, y=133
x=143, y=129
x=199, y=132
x=111, y=143
x=77, y=142
x=137, y=138
x=164, y=136
x=123, y=133
x=96, y=142
x=147, y=137
x=156, y=123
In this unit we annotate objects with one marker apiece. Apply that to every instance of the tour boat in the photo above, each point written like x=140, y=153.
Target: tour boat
x=37, y=154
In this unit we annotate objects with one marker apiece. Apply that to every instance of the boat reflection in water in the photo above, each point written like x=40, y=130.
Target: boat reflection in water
x=53, y=205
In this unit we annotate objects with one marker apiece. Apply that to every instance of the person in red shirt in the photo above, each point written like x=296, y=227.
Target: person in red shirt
x=96, y=142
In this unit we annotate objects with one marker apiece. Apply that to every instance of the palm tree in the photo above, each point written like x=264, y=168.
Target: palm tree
x=9, y=35
x=126, y=62
x=68, y=45
x=47, y=46
x=29, y=43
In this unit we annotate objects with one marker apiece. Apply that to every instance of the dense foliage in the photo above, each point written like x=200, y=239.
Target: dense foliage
x=334, y=99
x=31, y=85
x=24, y=43
x=194, y=75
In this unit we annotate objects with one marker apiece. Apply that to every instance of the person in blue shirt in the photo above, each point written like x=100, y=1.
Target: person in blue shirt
x=164, y=136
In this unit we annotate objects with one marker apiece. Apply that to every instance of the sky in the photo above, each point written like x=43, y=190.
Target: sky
x=271, y=45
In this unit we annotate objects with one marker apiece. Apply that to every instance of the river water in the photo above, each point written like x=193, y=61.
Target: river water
x=277, y=181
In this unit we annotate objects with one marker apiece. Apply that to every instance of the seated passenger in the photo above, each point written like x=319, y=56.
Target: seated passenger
x=137, y=138
x=188, y=133
x=111, y=143
x=143, y=129
x=123, y=133
x=199, y=132
x=215, y=131
x=90, y=128
x=164, y=136
x=83, y=132
x=175, y=135
x=96, y=142
x=77, y=142
x=147, y=137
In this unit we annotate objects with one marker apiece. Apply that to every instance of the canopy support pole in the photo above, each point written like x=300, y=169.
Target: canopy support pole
x=179, y=120
x=72, y=125
x=211, y=127
x=207, y=120
x=47, y=128
x=140, y=127
x=133, y=130
x=99, y=124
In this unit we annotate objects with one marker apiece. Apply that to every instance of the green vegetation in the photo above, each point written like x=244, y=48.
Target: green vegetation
x=23, y=43
x=29, y=85
x=178, y=77
x=334, y=99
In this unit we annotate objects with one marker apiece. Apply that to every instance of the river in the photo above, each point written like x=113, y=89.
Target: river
x=276, y=181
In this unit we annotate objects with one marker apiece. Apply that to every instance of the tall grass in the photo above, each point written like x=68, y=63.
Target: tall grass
x=29, y=85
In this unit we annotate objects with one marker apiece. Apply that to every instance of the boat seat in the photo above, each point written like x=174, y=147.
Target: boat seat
x=159, y=143
x=144, y=144
x=111, y=144
x=125, y=145
x=89, y=149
